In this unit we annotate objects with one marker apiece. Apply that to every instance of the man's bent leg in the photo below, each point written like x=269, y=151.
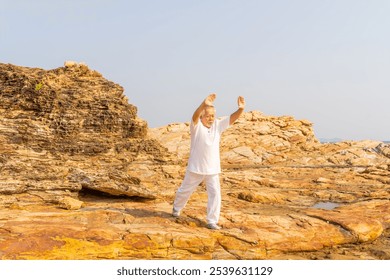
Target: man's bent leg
x=213, y=199
x=189, y=184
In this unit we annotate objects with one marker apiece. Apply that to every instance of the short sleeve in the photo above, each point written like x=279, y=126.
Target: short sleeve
x=224, y=124
x=193, y=126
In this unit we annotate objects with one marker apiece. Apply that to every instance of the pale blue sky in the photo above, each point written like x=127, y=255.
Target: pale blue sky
x=327, y=61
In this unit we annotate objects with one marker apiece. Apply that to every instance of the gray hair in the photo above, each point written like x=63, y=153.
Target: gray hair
x=207, y=107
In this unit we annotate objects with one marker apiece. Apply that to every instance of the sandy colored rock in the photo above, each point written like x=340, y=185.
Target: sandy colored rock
x=70, y=203
x=68, y=129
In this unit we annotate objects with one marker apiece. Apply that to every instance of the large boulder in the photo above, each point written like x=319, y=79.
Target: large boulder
x=69, y=129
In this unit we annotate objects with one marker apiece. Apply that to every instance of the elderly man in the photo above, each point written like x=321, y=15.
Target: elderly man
x=204, y=161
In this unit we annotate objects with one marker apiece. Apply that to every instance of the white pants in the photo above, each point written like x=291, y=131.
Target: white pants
x=188, y=186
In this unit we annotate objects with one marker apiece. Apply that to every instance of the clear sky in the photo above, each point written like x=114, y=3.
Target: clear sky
x=327, y=61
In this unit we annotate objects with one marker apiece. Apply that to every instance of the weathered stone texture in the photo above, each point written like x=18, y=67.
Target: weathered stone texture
x=66, y=129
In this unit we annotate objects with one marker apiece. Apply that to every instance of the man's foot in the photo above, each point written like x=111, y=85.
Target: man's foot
x=213, y=226
x=175, y=213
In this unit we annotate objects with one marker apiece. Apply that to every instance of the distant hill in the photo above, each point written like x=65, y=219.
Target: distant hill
x=330, y=140
x=334, y=140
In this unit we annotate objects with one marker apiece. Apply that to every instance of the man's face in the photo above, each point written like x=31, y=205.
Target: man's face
x=208, y=117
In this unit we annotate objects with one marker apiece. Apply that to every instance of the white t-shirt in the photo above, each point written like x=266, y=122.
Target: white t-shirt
x=204, y=153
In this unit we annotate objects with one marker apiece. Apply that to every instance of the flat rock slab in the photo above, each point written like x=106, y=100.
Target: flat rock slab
x=122, y=229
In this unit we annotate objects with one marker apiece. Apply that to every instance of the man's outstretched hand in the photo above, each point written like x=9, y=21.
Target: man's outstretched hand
x=207, y=102
x=210, y=99
x=238, y=113
x=241, y=102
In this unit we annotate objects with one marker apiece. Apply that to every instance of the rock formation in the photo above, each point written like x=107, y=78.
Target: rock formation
x=69, y=129
x=82, y=177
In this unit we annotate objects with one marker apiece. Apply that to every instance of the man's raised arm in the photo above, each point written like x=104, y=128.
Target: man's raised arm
x=207, y=102
x=240, y=110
